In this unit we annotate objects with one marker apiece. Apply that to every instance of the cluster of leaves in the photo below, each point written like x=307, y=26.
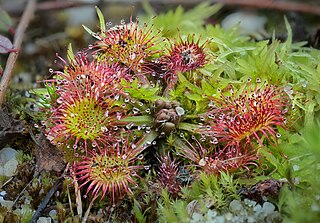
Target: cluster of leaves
x=151, y=99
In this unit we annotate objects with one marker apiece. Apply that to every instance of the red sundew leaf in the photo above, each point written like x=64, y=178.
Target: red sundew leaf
x=6, y=45
x=5, y=21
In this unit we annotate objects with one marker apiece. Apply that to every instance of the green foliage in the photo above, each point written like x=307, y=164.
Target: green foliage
x=139, y=92
x=46, y=95
x=191, y=21
x=208, y=191
x=220, y=189
x=172, y=211
x=301, y=200
x=141, y=218
x=23, y=157
x=277, y=62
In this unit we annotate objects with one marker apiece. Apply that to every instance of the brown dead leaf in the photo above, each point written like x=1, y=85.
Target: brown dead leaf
x=48, y=156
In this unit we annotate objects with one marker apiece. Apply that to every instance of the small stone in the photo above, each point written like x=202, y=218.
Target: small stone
x=251, y=219
x=6, y=203
x=211, y=213
x=44, y=220
x=179, y=111
x=228, y=216
x=268, y=208
x=315, y=207
x=249, y=203
x=196, y=217
x=10, y=167
x=8, y=162
x=257, y=209
x=7, y=154
x=235, y=206
x=247, y=22
x=219, y=219
x=53, y=214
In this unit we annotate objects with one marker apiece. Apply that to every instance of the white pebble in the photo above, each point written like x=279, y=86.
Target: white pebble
x=8, y=162
x=235, y=206
x=44, y=220
x=257, y=209
x=268, y=208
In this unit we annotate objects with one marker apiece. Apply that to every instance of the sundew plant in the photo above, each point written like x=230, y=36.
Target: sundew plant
x=167, y=119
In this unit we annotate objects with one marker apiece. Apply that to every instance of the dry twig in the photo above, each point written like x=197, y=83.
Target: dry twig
x=18, y=37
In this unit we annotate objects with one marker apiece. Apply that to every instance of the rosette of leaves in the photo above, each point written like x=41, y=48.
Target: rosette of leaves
x=83, y=113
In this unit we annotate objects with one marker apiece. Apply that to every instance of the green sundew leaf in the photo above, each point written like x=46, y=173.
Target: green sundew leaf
x=179, y=144
x=39, y=91
x=70, y=54
x=148, y=139
x=5, y=21
x=188, y=127
x=194, y=97
x=138, y=120
x=88, y=30
x=101, y=20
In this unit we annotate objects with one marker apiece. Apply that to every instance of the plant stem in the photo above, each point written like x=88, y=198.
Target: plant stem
x=18, y=37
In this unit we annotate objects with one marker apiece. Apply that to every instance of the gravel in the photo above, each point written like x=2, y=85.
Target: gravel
x=246, y=211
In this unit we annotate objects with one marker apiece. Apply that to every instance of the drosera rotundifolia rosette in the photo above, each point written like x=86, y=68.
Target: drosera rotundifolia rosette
x=129, y=101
